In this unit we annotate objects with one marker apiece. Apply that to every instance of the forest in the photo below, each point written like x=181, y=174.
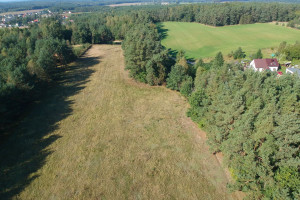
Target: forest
x=252, y=118
x=29, y=60
x=95, y=5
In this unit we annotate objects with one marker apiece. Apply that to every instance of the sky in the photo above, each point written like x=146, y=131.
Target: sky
x=10, y=0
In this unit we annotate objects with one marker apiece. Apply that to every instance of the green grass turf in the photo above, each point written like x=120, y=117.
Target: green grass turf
x=201, y=41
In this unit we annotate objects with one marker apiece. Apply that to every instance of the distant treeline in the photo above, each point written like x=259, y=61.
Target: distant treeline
x=95, y=5
x=213, y=14
x=253, y=118
x=55, y=5
x=227, y=13
x=264, y=1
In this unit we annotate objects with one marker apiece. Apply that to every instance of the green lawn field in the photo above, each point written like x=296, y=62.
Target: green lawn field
x=201, y=41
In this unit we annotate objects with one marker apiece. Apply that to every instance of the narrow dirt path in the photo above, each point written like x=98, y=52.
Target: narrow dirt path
x=101, y=135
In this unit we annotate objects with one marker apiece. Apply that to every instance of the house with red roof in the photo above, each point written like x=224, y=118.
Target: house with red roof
x=264, y=64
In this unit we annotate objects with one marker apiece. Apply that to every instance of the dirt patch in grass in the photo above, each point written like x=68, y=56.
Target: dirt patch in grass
x=101, y=135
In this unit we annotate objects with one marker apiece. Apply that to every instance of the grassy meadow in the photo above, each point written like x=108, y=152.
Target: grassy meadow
x=201, y=41
x=100, y=135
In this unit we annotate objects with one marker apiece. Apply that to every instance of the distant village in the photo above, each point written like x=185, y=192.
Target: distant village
x=23, y=19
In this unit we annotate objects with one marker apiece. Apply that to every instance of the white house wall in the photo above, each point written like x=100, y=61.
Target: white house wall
x=273, y=69
x=252, y=65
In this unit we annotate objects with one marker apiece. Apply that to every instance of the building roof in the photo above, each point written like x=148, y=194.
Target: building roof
x=294, y=71
x=266, y=63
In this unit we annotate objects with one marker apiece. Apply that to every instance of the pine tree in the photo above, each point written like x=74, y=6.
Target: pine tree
x=176, y=77
x=259, y=54
x=219, y=60
x=186, y=86
x=179, y=55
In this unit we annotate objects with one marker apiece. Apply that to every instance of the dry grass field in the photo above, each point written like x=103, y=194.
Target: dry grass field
x=21, y=12
x=124, y=4
x=100, y=135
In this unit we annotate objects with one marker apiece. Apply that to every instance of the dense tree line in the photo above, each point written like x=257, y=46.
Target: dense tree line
x=96, y=5
x=29, y=59
x=145, y=57
x=253, y=118
x=57, y=5
x=94, y=31
x=228, y=14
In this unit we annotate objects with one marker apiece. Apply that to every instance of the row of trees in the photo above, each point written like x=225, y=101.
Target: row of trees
x=28, y=59
x=90, y=30
x=145, y=57
x=227, y=13
x=254, y=119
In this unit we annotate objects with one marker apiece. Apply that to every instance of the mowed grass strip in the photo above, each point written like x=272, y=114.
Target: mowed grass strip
x=201, y=41
x=116, y=139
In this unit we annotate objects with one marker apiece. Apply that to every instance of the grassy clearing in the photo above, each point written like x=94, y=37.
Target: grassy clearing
x=100, y=135
x=201, y=41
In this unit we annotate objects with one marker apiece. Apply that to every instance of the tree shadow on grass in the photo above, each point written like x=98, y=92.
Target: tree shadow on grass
x=24, y=151
x=163, y=32
x=173, y=54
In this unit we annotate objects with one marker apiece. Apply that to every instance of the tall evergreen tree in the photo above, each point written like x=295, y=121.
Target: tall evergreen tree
x=259, y=54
